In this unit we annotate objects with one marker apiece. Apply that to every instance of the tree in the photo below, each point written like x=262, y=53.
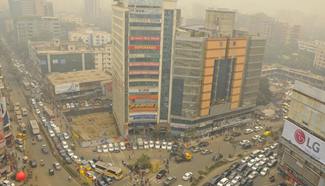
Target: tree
x=264, y=94
x=143, y=162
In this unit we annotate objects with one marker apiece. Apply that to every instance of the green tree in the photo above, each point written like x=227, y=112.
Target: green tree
x=143, y=162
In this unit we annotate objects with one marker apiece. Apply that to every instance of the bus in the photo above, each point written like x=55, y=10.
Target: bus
x=108, y=170
x=34, y=127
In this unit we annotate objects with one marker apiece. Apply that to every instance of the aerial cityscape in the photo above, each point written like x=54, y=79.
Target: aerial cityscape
x=162, y=93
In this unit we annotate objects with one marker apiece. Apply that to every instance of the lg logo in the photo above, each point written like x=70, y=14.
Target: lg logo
x=301, y=138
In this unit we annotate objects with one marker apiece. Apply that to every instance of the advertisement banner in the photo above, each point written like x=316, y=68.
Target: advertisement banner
x=143, y=90
x=67, y=88
x=305, y=141
x=145, y=47
x=144, y=116
x=140, y=64
x=135, y=72
x=143, y=96
x=143, y=38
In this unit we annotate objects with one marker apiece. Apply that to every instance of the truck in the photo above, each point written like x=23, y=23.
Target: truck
x=34, y=127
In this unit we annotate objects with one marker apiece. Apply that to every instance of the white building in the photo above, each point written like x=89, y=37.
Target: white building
x=103, y=58
x=317, y=48
x=91, y=37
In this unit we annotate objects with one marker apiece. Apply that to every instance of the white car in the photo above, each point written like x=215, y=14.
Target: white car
x=111, y=147
x=169, y=146
x=244, y=160
x=66, y=136
x=99, y=149
x=146, y=145
x=242, y=142
x=251, y=162
x=105, y=148
x=248, y=131
x=261, y=156
x=258, y=128
x=235, y=180
x=122, y=145
x=116, y=147
x=252, y=175
x=52, y=134
x=264, y=171
x=65, y=145
x=40, y=104
x=164, y=145
x=151, y=144
x=223, y=182
x=157, y=145
x=256, y=137
x=38, y=111
x=187, y=176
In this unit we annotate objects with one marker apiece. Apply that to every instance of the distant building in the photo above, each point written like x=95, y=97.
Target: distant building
x=90, y=37
x=71, y=19
x=22, y=8
x=80, y=84
x=37, y=28
x=302, y=142
x=293, y=36
x=318, y=49
x=221, y=21
x=142, y=48
x=214, y=79
x=57, y=56
x=92, y=9
x=48, y=9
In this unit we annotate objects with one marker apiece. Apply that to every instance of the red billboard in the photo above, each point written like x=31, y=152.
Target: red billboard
x=145, y=47
x=143, y=38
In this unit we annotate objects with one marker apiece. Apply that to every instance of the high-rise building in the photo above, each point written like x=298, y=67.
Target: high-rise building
x=22, y=8
x=302, y=142
x=48, y=9
x=90, y=37
x=221, y=21
x=142, y=50
x=92, y=9
x=214, y=79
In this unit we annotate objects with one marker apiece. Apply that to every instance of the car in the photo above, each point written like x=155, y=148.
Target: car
x=232, y=175
x=44, y=150
x=134, y=146
x=38, y=111
x=108, y=179
x=151, y=144
x=195, y=149
x=264, y=171
x=217, y=157
x=66, y=136
x=157, y=145
x=248, y=131
x=57, y=166
x=258, y=128
x=51, y=172
x=251, y=162
x=164, y=145
x=40, y=104
x=272, y=163
x=111, y=147
x=236, y=180
x=203, y=144
x=246, y=145
x=161, y=174
x=116, y=147
x=169, y=146
x=33, y=163
x=215, y=180
x=68, y=160
x=187, y=176
x=255, y=137
x=146, y=145
x=105, y=148
x=206, y=152
x=245, y=159
x=122, y=146
x=52, y=134
x=252, y=175
x=100, y=182
x=170, y=180
x=227, y=138
x=242, y=142
x=65, y=144
x=223, y=182
x=99, y=149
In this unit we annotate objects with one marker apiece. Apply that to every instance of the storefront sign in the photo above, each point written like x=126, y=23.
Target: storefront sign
x=307, y=142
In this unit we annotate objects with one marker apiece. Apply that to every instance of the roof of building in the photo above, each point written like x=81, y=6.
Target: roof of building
x=78, y=77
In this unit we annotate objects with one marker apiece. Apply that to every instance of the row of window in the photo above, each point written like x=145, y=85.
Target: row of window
x=143, y=83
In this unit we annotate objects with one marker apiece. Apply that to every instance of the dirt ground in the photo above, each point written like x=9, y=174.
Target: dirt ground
x=95, y=125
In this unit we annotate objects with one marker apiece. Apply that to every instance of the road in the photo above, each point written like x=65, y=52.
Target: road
x=40, y=174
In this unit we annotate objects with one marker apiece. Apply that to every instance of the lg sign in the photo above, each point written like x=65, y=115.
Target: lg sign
x=301, y=138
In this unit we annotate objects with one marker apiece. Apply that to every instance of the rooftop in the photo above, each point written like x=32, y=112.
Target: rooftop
x=78, y=77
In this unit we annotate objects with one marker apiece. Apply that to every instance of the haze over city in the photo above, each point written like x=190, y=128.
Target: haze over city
x=162, y=92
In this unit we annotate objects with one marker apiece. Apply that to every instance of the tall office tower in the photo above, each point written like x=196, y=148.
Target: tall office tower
x=48, y=9
x=21, y=8
x=302, y=144
x=211, y=76
x=221, y=21
x=142, y=38
x=92, y=9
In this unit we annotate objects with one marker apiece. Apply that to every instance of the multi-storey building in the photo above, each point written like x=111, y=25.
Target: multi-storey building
x=37, y=28
x=6, y=137
x=221, y=21
x=91, y=9
x=214, y=79
x=48, y=9
x=90, y=37
x=22, y=8
x=142, y=50
x=57, y=56
x=302, y=142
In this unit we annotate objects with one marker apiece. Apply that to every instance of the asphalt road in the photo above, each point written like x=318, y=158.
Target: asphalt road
x=40, y=174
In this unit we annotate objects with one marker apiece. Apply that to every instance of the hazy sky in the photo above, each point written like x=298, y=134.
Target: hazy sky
x=271, y=7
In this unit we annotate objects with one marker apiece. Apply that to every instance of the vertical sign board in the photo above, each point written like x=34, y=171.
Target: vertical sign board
x=305, y=141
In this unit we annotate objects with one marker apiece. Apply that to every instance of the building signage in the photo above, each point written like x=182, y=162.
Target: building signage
x=143, y=38
x=141, y=90
x=143, y=96
x=151, y=72
x=144, y=116
x=307, y=142
x=67, y=88
x=139, y=64
x=144, y=47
